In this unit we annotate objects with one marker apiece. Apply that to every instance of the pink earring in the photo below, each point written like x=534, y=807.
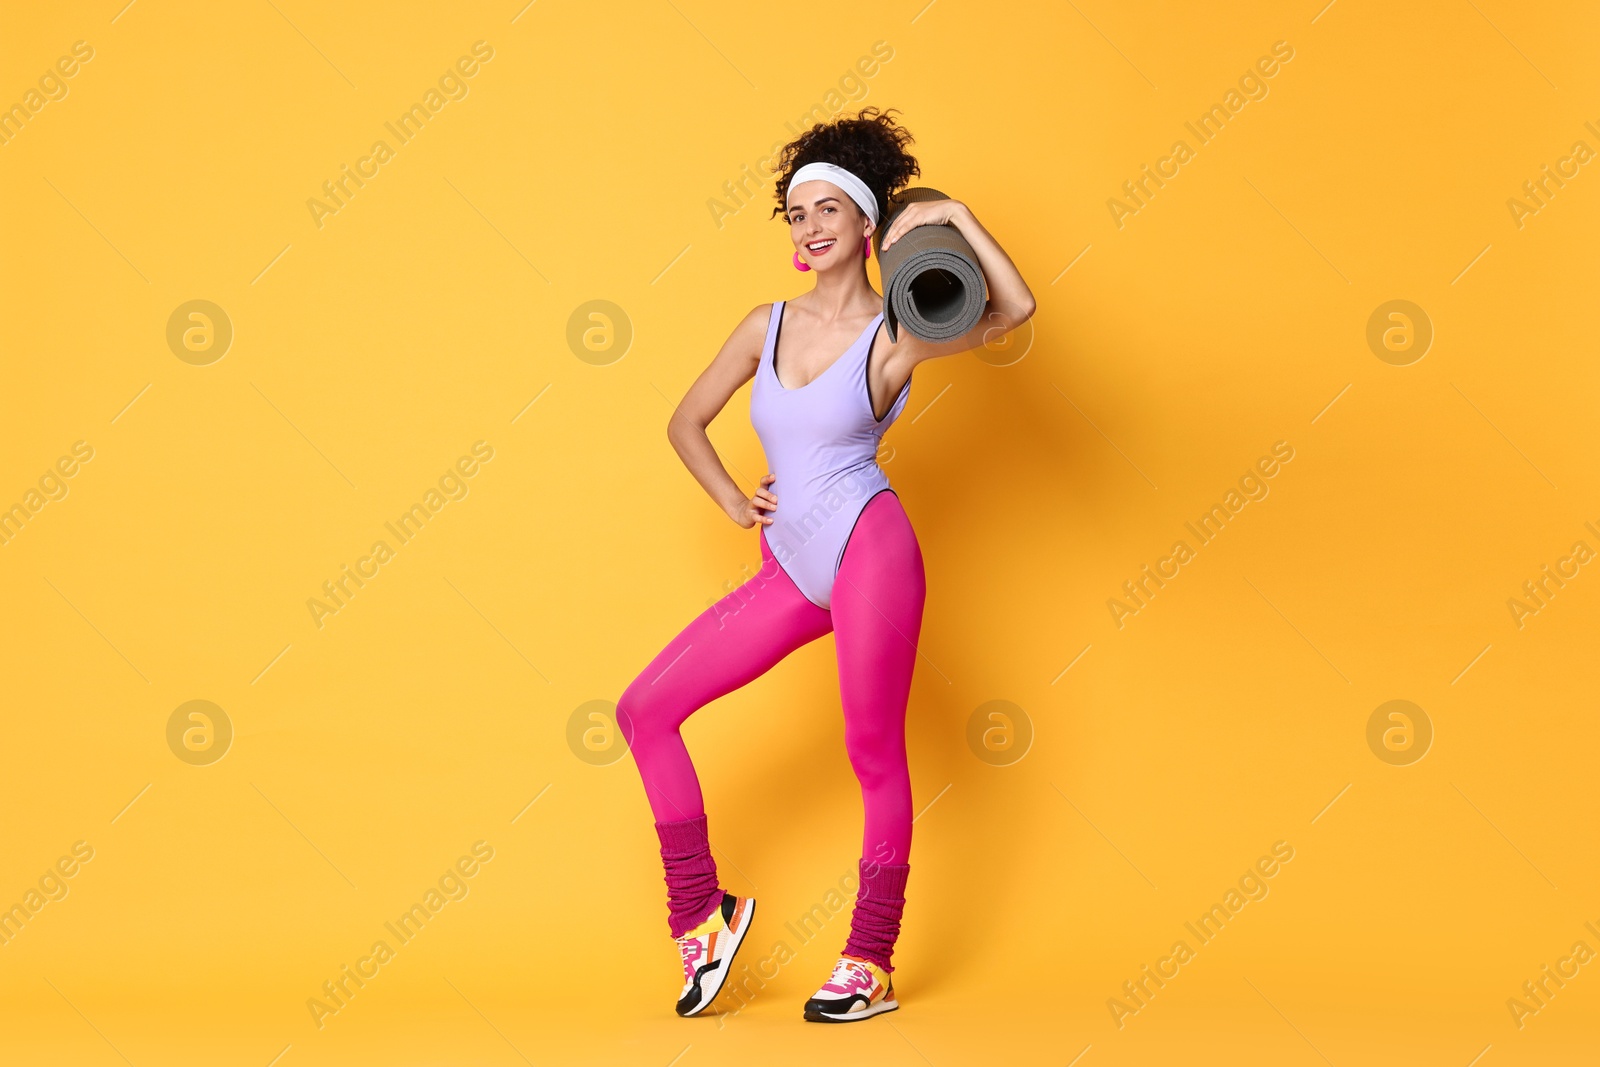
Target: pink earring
x=866, y=248
x=799, y=265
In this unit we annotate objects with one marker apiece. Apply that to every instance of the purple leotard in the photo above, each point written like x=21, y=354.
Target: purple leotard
x=821, y=442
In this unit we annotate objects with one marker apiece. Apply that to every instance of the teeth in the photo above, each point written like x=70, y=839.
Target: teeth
x=819, y=245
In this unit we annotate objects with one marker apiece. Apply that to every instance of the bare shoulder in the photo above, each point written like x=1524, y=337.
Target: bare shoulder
x=734, y=364
x=755, y=321
x=749, y=336
x=736, y=361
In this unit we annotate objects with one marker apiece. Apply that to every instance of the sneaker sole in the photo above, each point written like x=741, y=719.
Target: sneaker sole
x=720, y=975
x=855, y=1016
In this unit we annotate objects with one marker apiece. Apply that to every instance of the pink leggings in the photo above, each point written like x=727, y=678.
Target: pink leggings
x=876, y=619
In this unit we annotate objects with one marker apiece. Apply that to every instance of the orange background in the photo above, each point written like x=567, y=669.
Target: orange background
x=433, y=710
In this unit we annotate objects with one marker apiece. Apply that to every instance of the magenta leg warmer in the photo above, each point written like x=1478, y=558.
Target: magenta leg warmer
x=692, y=890
x=875, y=923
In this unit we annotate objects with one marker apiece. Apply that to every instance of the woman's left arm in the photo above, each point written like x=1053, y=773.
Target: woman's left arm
x=1010, y=302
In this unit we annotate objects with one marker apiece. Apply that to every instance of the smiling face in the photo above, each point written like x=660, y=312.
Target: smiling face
x=825, y=224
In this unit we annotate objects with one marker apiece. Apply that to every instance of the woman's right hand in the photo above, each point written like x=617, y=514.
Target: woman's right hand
x=752, y=511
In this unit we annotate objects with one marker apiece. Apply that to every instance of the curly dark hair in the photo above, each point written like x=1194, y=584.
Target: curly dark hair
x=869, y=145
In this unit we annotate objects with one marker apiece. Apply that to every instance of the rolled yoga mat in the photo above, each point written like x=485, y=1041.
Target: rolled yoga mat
x=931, y=279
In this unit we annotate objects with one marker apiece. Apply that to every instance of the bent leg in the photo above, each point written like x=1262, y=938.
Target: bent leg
x=878, y=598
x=730, y=644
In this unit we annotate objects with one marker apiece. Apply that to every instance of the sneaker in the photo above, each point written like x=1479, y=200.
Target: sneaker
x=708, y=952
x=858, y=990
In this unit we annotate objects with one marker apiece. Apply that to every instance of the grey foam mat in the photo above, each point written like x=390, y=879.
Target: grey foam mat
x=931, y=279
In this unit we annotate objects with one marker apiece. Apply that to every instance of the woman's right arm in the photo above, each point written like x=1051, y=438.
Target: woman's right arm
x=734, y=365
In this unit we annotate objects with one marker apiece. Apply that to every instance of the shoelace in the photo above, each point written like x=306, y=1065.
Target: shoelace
x=691, y=948
x=850, y=976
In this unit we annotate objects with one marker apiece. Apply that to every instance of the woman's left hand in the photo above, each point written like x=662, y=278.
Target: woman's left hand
x=925, y=213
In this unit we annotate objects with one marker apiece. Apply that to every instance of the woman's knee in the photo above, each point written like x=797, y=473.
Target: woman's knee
x=877, y=754
x=638, y=716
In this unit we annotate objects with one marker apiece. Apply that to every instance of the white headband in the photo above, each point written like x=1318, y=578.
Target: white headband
x=854, y=187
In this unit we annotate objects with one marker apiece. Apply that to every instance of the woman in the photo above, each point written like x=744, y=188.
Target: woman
x=838, y=552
